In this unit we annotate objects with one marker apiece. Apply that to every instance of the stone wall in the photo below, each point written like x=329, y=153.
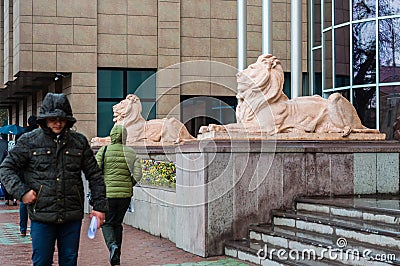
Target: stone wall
x=226, y=186
x=153, y=210
x=223, y=186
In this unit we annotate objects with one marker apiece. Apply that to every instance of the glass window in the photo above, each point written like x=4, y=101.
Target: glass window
x=142, y=83
x=364, y=53
x=110, y=83
x=114, y=85
x=358, y=44
x=317, y=23
x=364, y=100
x=287, y=85
x=317, y=72
x=327, y=13
x=389, y=50
x=105, y=118
x=344, y=93
x=328, y=71
x=363, y=9
x=389, y=101
x=148, y=110
x=197, y=111
x=389, y=7
x=342, y=12
x=342, y=56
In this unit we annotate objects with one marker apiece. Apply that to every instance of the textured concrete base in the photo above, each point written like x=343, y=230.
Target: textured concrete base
x=226, y=185
x=235, y=135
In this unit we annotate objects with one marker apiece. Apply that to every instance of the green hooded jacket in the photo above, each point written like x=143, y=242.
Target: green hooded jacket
x=122, y=167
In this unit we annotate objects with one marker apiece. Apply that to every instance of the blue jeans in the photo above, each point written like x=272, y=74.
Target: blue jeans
x=44, y=236
x=23, y=217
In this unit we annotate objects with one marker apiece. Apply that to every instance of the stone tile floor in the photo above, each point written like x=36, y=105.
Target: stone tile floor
x=138, y=248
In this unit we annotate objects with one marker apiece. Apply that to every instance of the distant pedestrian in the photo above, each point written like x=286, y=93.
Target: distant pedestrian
x=4, y=148
x=3, y=154
x=23, y=211
x=52, y=158
x=122, y=170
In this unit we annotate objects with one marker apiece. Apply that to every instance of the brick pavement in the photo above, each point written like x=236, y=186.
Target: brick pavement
x=138, y=247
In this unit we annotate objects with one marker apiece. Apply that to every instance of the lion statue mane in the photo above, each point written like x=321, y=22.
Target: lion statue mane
x=263, y=106
x=128, y=114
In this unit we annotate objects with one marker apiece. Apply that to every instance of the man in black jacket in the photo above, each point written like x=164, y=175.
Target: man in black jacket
x=52, y=158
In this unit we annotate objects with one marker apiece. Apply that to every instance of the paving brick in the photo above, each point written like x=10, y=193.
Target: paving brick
x=138, y=247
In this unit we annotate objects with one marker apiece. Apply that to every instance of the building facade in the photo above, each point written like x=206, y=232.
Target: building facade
x=98, y=51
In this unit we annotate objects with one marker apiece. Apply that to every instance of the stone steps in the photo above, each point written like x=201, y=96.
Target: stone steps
x=322, y=232
x=248, y=250
x=368, y=209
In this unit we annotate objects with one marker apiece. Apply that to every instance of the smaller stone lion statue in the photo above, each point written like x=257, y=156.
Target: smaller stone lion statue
x=264, y=108
x=128, y=114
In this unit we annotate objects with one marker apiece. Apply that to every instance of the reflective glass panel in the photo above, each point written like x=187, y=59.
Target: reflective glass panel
x=344, y=93
x=148, y=110
x=364, y=100
x=317, y=72
x=342, y=56
x=327, y=13
x=389, y=7
x=389, y=50
x=110, y=83
x=105, y=118
x=198, y=111
x=287, y=85
x=342, y=13
x=317, y=23
x=328, y=75
x=389, y=109
x=364, y=53
x=363, y=9
x=142, y=83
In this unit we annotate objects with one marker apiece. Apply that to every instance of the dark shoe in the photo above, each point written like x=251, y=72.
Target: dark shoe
x=114, y=259
x=15, y=203
x=23, y=234
x=7, y=203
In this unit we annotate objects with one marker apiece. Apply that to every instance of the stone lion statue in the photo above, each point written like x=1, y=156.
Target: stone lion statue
x=128, y=113
x=264, y=108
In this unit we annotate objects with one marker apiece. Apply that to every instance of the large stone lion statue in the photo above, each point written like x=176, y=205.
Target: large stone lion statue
x=128, y=114
x=263, y=106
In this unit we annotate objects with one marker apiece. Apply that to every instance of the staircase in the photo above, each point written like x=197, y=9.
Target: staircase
x=326, y=231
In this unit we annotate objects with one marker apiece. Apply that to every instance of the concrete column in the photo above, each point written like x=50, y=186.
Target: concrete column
x=295, y=67
x=242, y=34
x=267, y=27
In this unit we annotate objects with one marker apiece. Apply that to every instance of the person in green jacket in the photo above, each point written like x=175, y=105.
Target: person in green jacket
x=122, y=169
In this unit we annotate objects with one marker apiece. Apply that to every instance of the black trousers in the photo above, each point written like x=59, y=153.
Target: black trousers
x=112, y=228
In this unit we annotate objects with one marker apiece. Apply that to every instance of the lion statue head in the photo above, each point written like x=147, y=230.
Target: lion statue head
x=128, y=110
x=259, y=84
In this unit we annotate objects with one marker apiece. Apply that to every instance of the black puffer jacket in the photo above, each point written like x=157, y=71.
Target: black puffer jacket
x=52, y=166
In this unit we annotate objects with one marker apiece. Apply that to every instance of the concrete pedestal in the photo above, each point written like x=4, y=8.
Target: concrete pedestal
x=224, y=186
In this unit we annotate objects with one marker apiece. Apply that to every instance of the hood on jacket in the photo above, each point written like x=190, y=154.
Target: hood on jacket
x=118, y=134
x=55, y=105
